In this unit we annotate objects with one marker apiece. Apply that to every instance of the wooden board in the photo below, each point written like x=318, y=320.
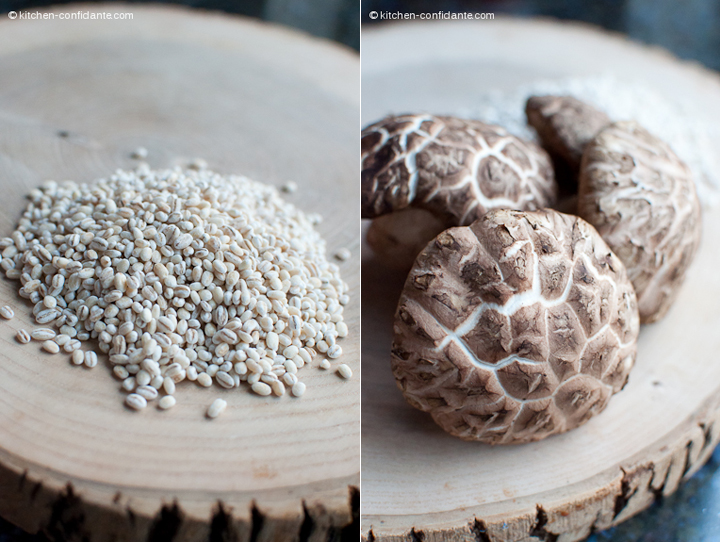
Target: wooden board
x=76, y=98
x=418, y=483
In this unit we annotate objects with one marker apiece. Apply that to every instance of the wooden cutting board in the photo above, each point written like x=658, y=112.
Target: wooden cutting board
x=76, y=98
x=420, y=484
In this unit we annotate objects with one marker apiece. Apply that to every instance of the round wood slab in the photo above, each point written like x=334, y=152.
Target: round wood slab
x=77, y=97
x=420, y=484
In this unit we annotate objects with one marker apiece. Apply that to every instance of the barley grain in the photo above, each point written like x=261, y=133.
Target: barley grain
x=22, y=336
x=91, y=359
x=261, y=388
x=334, y=351
x=5, y=311
x=129, y=384
x=289, y=187
x=344, y=371
x=148, y=392
x=224, y=379
x=298, y=389
x=51, y=347
x=278, y=388
x=72, y=346
x=343, y=254
x=217, y=407
x=179, y=275
x=136, y=401
x=119, y=371
x=169, y=385
x=143, y=378
x=78, y=357
x=167, y=402
x=204, y=380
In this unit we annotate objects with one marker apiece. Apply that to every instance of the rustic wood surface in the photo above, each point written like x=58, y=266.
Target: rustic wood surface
x=418, y=483
x=76, y=98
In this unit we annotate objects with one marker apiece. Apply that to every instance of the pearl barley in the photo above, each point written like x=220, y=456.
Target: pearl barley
x=178, y=275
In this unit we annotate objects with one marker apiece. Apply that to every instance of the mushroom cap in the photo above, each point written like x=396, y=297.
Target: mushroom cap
x=641, y=198
x=457, y=169
x=565, y=125
x=515, y=328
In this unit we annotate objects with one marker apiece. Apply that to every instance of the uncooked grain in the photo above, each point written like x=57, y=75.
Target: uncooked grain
x=78, y=357
x=91, y=359
x=343, y=254
x=344, y=371
x=140, y=153
x=148, y=392
x=136, y=401
x=178, y=275
x=51, y=347
x=261, y=388
x=6, y=312
x=167, y=402
x=217, y=407
x=22, y=336
x=290, y=187
x=298, y=389
x=278, y=388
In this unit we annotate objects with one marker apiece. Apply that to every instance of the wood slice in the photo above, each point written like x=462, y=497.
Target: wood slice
x=77, y=98
x=421, y=484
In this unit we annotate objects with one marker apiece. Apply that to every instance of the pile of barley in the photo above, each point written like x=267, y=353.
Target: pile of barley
x=179, y=275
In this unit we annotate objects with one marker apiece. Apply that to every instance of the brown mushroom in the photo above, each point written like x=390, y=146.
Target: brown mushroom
x=457, y=169
x=565, y=126
x=641, y=198
x=515, y=328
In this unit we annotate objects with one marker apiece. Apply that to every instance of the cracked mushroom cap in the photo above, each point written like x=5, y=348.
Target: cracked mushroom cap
x=457, y=169
x=566, y=126
x=641, y=198
x=515, y=328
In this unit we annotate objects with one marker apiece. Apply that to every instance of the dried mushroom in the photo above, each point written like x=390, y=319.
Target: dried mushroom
x=457, y=169
x=565, y=125
x=515, y=328
x=641, y=198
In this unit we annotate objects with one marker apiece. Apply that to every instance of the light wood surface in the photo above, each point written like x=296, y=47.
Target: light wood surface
x=76, y=98
x=418, y=483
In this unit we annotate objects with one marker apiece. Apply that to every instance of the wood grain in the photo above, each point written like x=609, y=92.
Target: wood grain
x=76, y=98
x=420, y=484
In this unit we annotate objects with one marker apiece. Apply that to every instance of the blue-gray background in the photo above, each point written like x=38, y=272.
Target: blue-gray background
x=688, y=28
x=337, y=20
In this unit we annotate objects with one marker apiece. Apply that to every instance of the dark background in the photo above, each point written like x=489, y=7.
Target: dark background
x=337, y=20
x=688, y=28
